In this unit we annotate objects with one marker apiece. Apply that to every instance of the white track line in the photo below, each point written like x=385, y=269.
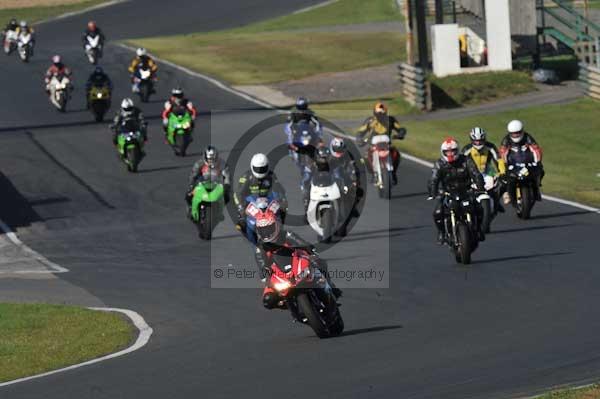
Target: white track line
x=326, y=3
x=265, y=104
x=145, y=332
x=15, y=240
x=83, y=11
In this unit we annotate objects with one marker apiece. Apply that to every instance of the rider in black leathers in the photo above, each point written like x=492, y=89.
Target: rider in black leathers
x=454, y=173
x=98, y=78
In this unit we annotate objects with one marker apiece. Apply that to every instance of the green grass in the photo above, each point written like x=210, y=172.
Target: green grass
x=259, y=58
x=36, y=338
x=569, y=135
x=362, y=108
x=35, y=14
x=463, y=90
x=342, y=12
x=592, y=392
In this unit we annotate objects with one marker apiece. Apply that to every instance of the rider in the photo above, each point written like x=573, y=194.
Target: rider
x=453, y=172
x=129, y=111
x=57, y=68
x=93, y=31
x=177, y=100
x=24, y=29
x=274, y=240
x=302, y=112
x=12, y=25
x=486, y=158
x=322, y=163
x=209, y=160
x=344, y=166
x=379, y=124
x=98, y=78
x=516, y=139
x=141, y=58
x=259, y=181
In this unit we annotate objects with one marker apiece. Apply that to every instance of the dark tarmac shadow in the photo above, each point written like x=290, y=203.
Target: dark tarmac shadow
x=559, y=215
x=411, y=195
x=531, y=228
x=521, y=257
x=369, y=330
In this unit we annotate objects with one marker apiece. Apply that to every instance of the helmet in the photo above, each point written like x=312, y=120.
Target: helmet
x=210, y=155
x=177, y=92
x=380, y=109
x=98, y=70
x=268, y=226
x=56, y=59
x=337, y=146
x=477, y=137
x=91, y=26
x=302, y=103
x=449, y=149
x=515, y=129
x=23, y=24
x=141, y=52
x=259, y=165
x=13, y=22
x=127, y=105
x=322, y=156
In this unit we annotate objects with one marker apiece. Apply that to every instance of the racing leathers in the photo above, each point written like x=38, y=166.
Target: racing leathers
x=457, y=178
x=93, y=34
x=135, y=114
x=198, y=172
x=97, y=79
x=488, y=162
x=172, y=104
x=251, y=186
x=285, y=246
x=381, y=125
x=29, y=30
x=56, y=70
x=145, y=61
x=508, y=150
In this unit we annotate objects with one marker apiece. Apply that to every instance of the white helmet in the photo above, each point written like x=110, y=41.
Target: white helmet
x=477, y=135
x=127, y=104
x=141, y=52
x=515, y=129
x=449, y=149
x=259, y=165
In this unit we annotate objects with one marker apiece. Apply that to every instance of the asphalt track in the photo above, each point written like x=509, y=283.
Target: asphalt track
x=522, y=318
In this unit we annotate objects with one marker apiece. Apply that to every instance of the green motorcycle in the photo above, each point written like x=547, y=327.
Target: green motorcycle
x=208, y=202
x=179, y=130
x=130, y=145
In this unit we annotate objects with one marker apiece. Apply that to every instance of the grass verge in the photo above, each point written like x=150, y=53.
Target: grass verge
x=269, y=57
x=36, y=14
x=569, y=135
x=591, y=392
x=349, y=110
x=463, y=90
x=37, y=338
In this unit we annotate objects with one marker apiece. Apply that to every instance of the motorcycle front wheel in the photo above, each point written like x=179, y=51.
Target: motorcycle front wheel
x=463, y=248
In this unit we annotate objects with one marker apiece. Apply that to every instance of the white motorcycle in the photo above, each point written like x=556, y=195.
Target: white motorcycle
x=325, y=207
x=59, y=92
x=25, y=46
x=10, y=41
x=93, y=49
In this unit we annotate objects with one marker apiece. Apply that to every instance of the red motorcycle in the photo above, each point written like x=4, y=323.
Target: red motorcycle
x=381, y=161
x=304, y=290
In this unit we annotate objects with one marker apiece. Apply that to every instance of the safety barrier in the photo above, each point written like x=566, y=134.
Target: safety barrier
x=415, y=87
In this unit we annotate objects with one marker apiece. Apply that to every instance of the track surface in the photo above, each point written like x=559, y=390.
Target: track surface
x=522, y=318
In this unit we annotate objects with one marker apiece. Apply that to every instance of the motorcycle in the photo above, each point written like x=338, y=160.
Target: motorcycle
x=144, y=82
x=256, y=205
x=522, y=176
x=208, y=204
x=25, y=46
x=10, y=41
x=304, y=290
x=381, y=162
x=60, y=86
x=326, y=210
x=99, y=101
x=130, y=145
x=305, y=140
x=179, y=131
x=488, y=202
x=461, y=225
x=93, y=49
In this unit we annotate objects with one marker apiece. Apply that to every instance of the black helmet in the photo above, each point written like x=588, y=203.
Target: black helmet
x=210, y=155
x=302, y=103
x=98, y=70
x=13, y=22
x=337, y=146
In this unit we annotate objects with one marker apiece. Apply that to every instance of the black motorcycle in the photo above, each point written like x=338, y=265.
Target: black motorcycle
x=461, y=225
x=523, y=171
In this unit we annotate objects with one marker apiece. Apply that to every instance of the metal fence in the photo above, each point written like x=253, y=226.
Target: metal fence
x=589, y=77
x=415, y=87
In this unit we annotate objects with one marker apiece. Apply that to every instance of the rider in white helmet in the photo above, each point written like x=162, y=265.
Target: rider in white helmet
x=516, y=140
x=129, y=111
x=141, y=58
x=259, y=181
